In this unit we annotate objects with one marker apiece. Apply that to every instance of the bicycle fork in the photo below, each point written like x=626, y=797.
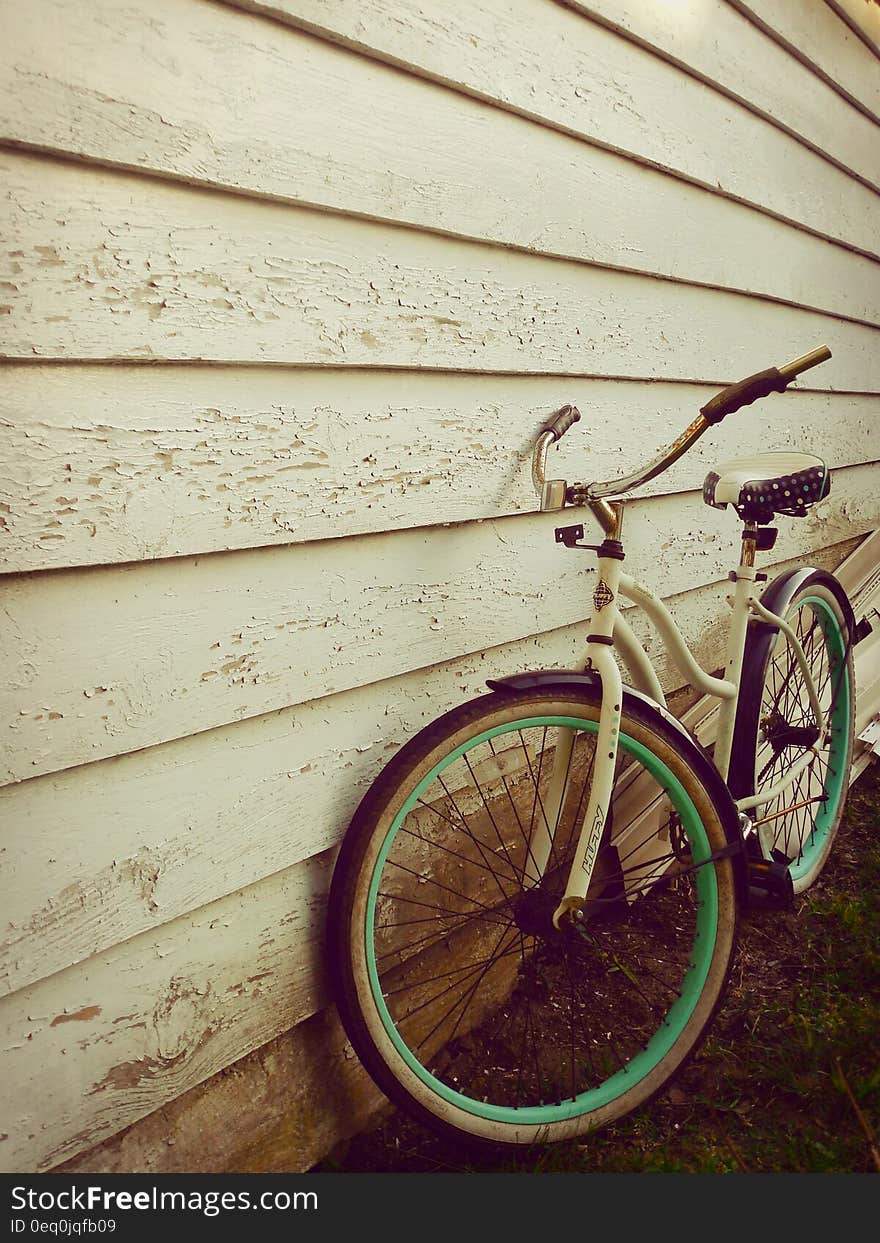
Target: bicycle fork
x=599, y=653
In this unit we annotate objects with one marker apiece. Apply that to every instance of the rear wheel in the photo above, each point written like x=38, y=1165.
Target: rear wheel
x=463, y=1001
x=776, y=727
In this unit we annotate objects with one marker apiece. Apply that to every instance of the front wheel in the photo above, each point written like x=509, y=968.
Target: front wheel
x=776, y=725
x=462, y=1000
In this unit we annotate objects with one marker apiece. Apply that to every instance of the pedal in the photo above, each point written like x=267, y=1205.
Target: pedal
x=770, y=884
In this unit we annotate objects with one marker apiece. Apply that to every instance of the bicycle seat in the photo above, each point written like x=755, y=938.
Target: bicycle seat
x=765, y=484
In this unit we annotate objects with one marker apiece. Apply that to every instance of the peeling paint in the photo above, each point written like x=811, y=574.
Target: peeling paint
x=83, y=1015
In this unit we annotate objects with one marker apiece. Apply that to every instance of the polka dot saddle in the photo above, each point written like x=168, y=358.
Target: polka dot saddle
x=765, y=484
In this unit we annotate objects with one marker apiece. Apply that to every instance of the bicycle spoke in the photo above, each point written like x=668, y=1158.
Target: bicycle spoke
x=438, y=884
x=466, y=829
x=468, y=971
x=501, y=842
x=453, y=971
x=537, y=799
x=424, y=943
x=539, y=1075
x=427, y=942
x=458, y=855
x=798, y=820
x=571, y=1050
x=526, y=839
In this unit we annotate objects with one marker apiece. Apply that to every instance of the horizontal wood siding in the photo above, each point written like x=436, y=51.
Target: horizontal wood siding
x=221, y=638
x=863, y=20
x=129, y=463
x=139, y=1025
x=545, y=61
x=404, y=149
x=172, y=999
x=286, y=291
x=824, y=44
x=114, y=267
x=718, y=45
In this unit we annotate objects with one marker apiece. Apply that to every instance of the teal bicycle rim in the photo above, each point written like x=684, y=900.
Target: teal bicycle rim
x=669, y=1028
x=835, y=784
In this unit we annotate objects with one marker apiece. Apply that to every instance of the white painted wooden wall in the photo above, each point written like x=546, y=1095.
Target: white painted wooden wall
x=286, y=290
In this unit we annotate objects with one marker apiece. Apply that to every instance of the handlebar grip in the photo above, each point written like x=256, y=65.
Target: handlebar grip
x=735, y=396
x=773, y=380
x=562, y=421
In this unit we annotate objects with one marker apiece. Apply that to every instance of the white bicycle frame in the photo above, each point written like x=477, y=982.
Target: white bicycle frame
x=609, y=631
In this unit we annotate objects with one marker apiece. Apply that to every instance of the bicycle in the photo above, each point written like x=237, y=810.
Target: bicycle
x=534, y=910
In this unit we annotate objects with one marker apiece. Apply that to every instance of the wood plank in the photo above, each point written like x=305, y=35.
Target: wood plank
x=110, y=266
x=101, y=852
x=825, y=43
x=125, y=463
x=543, y=60
x=94, y=1048
x=867, y=667
x=271, y=1094
x=110, y=660
x=403, y=149
x=862, y=18
x=712, y=40
x=106, y=873
x=860, y=575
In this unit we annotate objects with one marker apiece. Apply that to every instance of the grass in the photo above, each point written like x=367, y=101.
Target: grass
x=789, y=1077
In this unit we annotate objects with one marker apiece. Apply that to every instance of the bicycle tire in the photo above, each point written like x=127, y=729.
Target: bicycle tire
x=564, y=1032
x=773, y=699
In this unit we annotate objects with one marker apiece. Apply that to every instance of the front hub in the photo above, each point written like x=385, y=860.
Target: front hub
x=533, y=913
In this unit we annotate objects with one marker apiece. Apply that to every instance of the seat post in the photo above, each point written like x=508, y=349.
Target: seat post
x=749, y=543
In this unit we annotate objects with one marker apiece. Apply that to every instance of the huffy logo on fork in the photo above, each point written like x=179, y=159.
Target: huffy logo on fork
x=595, y=838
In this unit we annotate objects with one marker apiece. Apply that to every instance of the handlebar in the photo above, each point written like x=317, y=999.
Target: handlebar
x=805, y=362
x=554, y=429
x=555, y=493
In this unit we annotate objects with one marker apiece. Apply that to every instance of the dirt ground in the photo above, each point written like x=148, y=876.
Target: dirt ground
x=789, y=1078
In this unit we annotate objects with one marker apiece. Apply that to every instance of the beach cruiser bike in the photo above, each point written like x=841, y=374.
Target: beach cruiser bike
x=533, y=912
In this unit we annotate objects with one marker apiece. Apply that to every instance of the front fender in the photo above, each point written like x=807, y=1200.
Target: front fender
x=538, y=679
